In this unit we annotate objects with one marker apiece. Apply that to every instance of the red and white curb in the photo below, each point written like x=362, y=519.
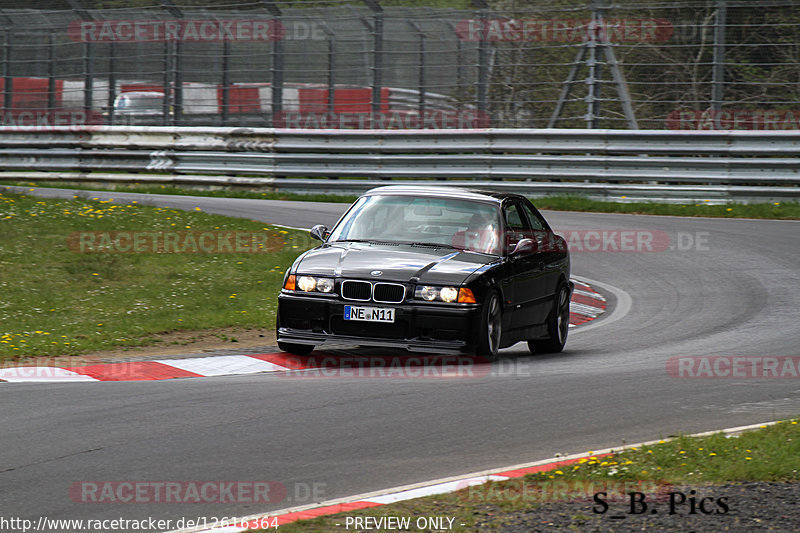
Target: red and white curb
x=586, y=305
x=430, y=488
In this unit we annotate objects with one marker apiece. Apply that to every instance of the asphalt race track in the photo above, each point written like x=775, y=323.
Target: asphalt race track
x=732, y=289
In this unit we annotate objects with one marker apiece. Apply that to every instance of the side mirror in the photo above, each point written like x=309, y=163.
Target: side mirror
x=320, y=232
x=525, y=246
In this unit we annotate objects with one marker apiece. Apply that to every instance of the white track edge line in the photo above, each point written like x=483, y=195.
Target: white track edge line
x=404, y=488
x=621, y=308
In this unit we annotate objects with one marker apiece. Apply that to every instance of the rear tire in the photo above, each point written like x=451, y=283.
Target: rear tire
x=296, y=349
x=491, y=327
x=557, y=325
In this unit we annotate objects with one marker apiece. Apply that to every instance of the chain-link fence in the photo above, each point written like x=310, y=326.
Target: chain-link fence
x=698, y=64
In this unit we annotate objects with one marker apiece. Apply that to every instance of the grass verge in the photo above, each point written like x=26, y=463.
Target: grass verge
x=186, y=191
x=71, y=282
x=768, y=454
x=773, y=210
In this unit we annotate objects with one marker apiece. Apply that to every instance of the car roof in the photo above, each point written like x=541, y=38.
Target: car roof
x=444, y=192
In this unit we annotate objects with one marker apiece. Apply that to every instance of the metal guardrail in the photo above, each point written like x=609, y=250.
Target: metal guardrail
x=744, y=166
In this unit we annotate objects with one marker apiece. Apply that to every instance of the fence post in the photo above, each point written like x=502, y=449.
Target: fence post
x=51, y=74
x=8, y=81
x=331, y=66
x=165, y=119
x=88, y=86
x=377, y=56
x=226, y=80
x=112, y=81
x=277, y=63
x=483, y=55
x=177, y=64
x=718, y=70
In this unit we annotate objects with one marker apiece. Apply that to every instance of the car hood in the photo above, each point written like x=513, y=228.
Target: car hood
x=403, y=263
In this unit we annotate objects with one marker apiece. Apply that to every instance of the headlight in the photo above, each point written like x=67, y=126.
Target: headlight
x=306, y=283
x=324, y=284
x=448, y=294
x=312, y=284
x=429, y=293
x=441, y=294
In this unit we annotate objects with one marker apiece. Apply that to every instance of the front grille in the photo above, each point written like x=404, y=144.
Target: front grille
x=356, y=290
x=389, y=293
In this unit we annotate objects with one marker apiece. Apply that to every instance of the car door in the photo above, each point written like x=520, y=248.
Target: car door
x=549, y=251
x=529, y=305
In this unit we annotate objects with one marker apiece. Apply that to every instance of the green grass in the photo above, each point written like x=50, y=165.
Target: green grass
x=766, y=454
x=57, y=300
x=774, y=210
x=186, y=191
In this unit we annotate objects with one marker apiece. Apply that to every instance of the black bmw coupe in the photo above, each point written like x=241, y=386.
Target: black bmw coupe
x=431, y=269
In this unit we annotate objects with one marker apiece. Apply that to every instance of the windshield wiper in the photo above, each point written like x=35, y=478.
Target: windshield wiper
x=432, y=245
x=368, y=241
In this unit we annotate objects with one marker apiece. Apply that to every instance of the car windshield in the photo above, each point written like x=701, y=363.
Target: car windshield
x=453, y=223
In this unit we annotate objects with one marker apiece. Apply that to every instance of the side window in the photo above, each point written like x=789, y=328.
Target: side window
x=514, y=218
x=533, y=218
x=516, y=224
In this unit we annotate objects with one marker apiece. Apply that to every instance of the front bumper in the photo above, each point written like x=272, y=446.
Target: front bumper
x=423, y=326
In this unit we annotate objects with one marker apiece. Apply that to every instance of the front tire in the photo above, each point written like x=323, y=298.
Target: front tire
x=491, y=327
x=295, y=349
x=557, y=325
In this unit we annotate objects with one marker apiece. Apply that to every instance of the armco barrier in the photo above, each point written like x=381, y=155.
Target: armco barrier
x=743, y=166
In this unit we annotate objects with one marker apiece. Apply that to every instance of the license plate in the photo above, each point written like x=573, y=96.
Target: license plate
x=369, y=314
